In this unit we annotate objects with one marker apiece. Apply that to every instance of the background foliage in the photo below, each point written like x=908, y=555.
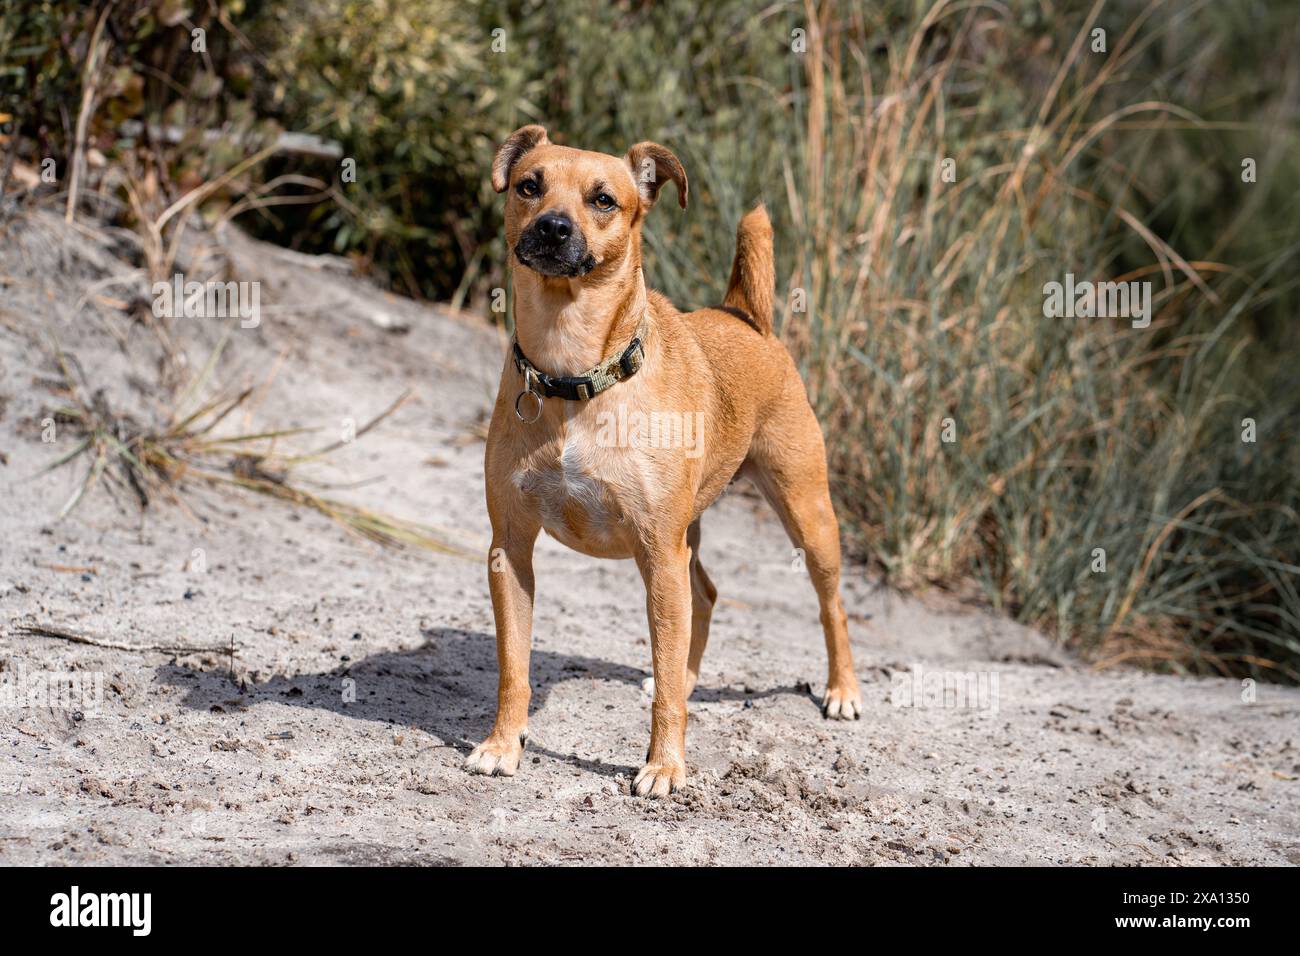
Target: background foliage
x=923, y=299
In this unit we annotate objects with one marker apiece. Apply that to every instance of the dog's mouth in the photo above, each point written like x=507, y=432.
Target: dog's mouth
x=550, y=263
x=554, y=246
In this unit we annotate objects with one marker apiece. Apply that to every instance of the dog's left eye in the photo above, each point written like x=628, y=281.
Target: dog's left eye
x=604, y=201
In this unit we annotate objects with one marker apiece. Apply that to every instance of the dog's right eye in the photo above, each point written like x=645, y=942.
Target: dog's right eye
x=528, y=189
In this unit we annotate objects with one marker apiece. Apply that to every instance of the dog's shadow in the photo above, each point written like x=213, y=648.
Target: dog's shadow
x=446, y=687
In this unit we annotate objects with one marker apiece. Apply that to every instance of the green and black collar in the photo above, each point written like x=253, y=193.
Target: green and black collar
x=580, y=388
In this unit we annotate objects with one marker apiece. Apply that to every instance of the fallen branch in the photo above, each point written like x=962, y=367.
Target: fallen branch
x=62, y=633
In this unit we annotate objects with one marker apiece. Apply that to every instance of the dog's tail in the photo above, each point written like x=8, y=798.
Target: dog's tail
x=753, y=272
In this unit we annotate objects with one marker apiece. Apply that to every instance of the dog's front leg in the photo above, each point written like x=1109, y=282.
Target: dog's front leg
x=510, y=579
x=665, y=567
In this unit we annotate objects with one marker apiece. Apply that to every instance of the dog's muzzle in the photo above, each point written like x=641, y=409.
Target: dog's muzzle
x=554, y=246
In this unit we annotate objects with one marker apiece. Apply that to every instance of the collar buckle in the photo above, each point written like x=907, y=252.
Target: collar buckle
x=633, y=357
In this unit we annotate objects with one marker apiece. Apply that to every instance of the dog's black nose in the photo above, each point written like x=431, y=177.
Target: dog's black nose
x=553, y=227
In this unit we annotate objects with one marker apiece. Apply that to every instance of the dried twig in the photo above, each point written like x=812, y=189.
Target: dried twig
x=90, y=85
x=69, y=568
x=62, y=633
x=401, y=400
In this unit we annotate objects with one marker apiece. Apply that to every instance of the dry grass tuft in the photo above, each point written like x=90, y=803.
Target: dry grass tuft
x=148, y=463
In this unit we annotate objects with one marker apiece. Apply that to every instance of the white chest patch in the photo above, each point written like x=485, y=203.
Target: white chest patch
x=570, y=500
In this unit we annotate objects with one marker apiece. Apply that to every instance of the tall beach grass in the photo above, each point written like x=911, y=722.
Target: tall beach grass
x=1089, y=475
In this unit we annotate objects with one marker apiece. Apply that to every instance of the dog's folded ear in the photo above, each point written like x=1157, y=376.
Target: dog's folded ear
x=652, y=165
x=518, y=143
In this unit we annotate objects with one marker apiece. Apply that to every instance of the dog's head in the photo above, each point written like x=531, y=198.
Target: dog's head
x=569, y=211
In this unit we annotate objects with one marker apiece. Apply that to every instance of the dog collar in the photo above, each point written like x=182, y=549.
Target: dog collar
x=579, y=388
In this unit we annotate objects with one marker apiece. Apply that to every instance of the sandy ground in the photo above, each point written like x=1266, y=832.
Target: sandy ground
x=361, y=676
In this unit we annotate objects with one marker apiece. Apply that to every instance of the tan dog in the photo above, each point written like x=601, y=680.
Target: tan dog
x=557, y=460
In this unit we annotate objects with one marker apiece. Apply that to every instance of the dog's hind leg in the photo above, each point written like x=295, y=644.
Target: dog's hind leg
x=703, y=595
x=787, y=461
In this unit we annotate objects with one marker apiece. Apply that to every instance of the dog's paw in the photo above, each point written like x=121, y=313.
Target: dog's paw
x=843, y=702
x=497, y=756
x=658, y=779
